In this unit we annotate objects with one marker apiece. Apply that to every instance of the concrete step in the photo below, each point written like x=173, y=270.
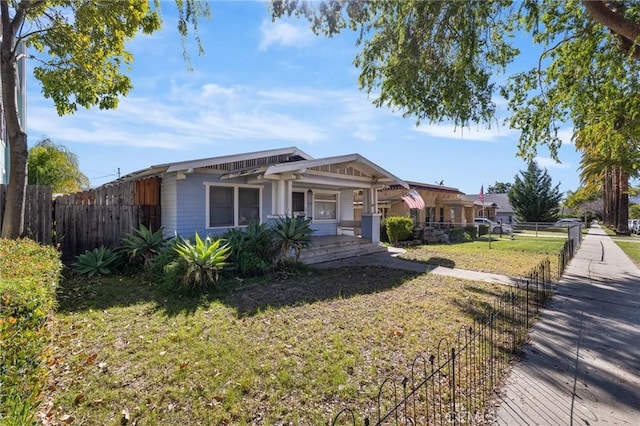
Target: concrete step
x=321, y=254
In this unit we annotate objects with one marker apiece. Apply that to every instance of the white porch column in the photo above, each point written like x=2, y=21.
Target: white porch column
x=280, y=201
x=374, y=200
x=366, y=202
x=289, y=198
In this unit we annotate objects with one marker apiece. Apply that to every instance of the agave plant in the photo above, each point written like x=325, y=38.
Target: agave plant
x=99, y=261
x=290, y=236
x=143, y=244
x=204, y=258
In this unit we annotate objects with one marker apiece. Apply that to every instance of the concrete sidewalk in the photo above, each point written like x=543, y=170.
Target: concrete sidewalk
x=582, y=365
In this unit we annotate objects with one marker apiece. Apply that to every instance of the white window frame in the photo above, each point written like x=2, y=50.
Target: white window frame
x=236, y=197
x=334, y=193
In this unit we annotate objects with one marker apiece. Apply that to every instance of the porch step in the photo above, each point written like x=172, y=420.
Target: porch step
x=339, y=248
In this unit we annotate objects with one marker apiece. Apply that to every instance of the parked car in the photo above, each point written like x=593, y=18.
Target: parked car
x=634, y=226
x=566, y=222
x=495, y=227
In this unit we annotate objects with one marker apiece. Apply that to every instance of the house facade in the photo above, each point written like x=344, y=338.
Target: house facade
x=442, y=205
x=211, y=195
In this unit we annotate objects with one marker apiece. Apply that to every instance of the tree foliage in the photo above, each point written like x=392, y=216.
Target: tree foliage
x=54, y=165
x=533, y=197
x=499, y=188
x=79, y=56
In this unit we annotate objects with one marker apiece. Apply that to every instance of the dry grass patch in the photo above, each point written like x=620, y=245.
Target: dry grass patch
x=291, y=351
x=515, y=258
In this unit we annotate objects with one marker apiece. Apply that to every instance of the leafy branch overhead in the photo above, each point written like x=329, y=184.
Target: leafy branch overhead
x=442, y=60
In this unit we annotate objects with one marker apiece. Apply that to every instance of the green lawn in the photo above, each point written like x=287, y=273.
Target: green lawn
x=293, y=349
x=632, y=249
x=513, y=257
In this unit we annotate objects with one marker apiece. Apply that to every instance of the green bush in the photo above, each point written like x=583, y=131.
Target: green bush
x=251, y=253
x=462, y=235
x=99, y=261
x=204, y=260
x=142, y=245
x=290, y=236
x=399, y=228
x=29, y=275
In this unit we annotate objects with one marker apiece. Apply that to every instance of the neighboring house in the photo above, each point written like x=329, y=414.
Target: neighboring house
x=21, y=94
x=442, y=204
x=212, y=195
x=495, y=207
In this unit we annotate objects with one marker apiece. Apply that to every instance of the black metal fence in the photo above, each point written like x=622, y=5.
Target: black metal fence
x=454, y=383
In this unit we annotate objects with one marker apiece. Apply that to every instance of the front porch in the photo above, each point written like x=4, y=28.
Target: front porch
x=333, y=247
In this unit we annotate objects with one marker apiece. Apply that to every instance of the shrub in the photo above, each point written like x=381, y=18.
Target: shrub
x=290, y=236
x=399, y=228
x=204, y=260
x=142, y=245
x=251, y=252
x=30, y=276
x=165, y=256
x=99, y=261
x=460, y=235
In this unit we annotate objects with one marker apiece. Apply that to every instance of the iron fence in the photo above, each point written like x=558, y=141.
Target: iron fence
x=454, y=383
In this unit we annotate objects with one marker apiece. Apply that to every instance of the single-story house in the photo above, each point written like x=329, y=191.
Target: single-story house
x=495, y=207
x=437, y=204
x=212, y=195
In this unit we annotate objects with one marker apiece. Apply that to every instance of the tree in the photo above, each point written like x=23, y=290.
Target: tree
x=79, y=47
x=53, y=165
x=499, y=188
x=532, y=197
x=434, y=59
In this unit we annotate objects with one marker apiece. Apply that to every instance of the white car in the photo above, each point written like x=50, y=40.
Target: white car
x=495, y=227
x=567, y=222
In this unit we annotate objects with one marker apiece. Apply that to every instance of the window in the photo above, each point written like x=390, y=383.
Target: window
x=325, y=206
x=232, y=205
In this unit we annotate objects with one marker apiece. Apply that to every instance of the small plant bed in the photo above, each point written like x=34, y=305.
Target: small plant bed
x=292, y=349
x=515, y=258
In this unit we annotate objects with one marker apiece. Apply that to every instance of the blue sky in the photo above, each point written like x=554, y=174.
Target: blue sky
x=263, y=85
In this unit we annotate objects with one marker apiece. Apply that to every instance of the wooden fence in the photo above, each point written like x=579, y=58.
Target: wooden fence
x=86, y=220
x=38, y=212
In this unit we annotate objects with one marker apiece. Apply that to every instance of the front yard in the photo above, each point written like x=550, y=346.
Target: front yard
x=295, y=349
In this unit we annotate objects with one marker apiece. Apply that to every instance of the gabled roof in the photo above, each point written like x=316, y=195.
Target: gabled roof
x=277, y=161
x=225, y=162
x=351, y=164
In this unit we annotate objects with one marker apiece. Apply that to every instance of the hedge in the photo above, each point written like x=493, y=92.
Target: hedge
x=29, y=275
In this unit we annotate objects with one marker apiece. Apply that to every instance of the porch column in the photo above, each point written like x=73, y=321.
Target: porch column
x=289, y=198
x=280, y=201
x=370, y=225
x=366, y=203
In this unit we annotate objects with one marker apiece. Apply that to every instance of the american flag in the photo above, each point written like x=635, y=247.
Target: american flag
x=413, y=200
x=481, y=194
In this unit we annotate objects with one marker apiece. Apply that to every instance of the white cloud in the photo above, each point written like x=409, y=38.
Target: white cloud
x=550, y=163
x=450, y=131
x=284, y=34
x=212, y=90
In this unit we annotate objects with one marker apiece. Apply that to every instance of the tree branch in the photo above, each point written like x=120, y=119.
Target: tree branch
x=627, y=29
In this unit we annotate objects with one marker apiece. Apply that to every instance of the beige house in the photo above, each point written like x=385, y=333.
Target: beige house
x=443, y=206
